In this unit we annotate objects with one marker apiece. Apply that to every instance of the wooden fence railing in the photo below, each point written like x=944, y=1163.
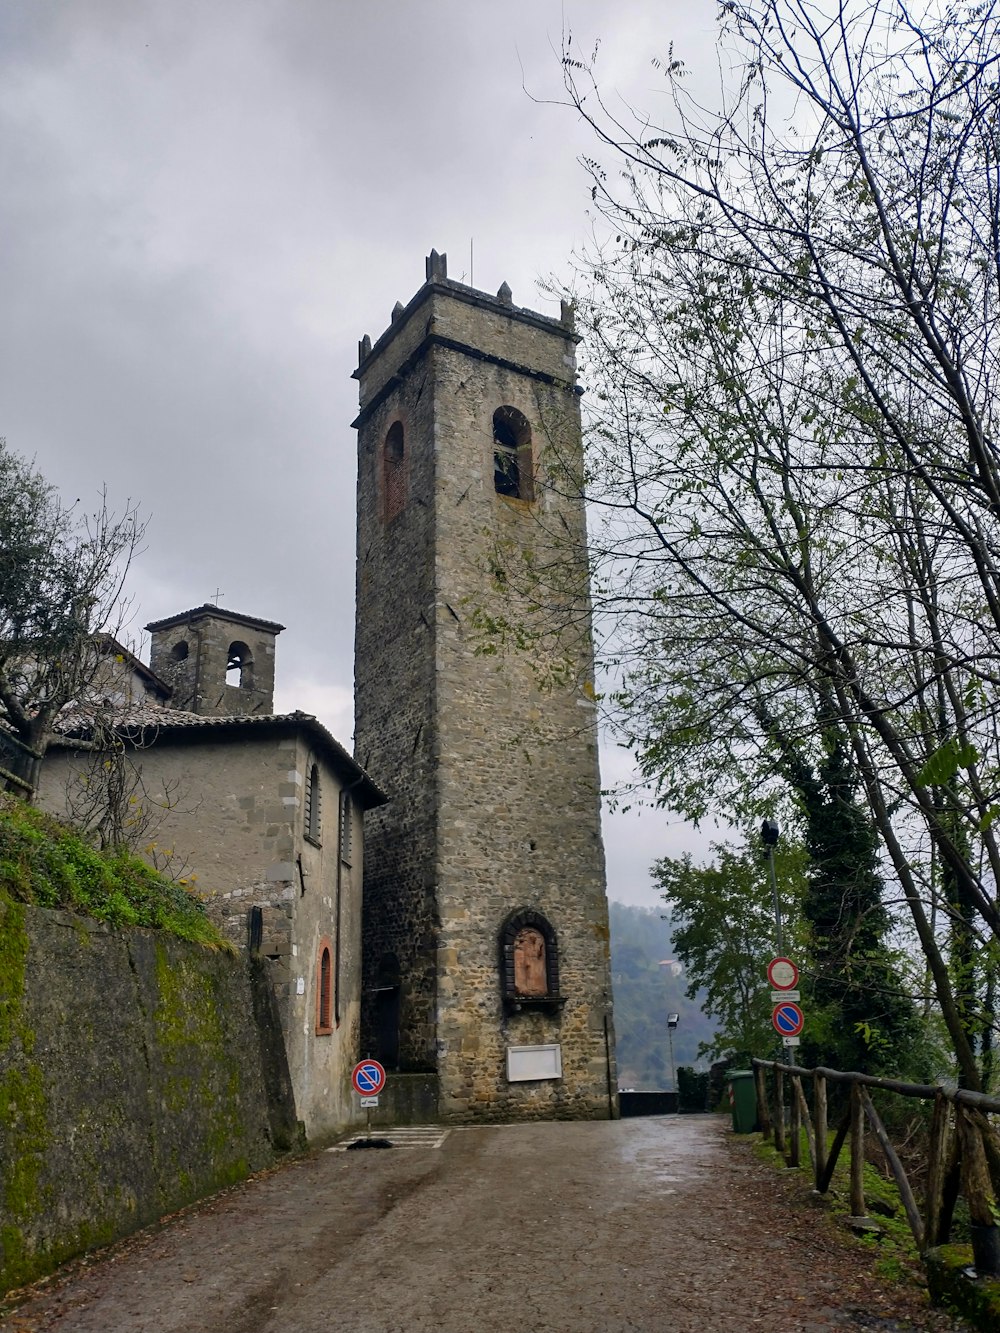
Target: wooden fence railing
x=963, y=1155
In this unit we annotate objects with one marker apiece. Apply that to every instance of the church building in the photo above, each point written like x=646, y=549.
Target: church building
x=260, y=814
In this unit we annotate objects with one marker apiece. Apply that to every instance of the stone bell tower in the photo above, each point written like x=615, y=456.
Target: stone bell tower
x=485, y=915
x=217, y=662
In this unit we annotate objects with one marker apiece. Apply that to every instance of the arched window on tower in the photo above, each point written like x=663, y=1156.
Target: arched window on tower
x=324, y=990
x=394, y=472
x=529, y=961
x=239, y=666
x=512, y=461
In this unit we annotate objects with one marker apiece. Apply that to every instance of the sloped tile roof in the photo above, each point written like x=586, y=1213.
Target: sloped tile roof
x=150, y=724
x=220, y=613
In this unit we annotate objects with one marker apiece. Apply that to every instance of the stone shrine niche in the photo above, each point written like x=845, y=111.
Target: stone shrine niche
x=529, y=962
x=530, y=973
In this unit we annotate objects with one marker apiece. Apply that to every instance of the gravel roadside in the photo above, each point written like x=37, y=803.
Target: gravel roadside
x=657, y=1224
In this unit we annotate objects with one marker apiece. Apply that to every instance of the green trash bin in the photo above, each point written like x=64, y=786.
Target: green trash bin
x=743, y=1100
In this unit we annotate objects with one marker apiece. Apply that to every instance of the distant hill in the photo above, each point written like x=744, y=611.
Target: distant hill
x=645, y=991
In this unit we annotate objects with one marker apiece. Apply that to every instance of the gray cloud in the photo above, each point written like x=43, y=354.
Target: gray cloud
x=206, y=205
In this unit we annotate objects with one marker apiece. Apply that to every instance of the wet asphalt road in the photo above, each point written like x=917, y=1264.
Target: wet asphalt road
x=655, y=1224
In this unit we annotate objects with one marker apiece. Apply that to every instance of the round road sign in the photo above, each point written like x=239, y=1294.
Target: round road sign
x=782, y=973
x=787, y=1018
x=368, y=1078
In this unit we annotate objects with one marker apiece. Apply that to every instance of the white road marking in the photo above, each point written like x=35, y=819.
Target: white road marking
x=406, y=1136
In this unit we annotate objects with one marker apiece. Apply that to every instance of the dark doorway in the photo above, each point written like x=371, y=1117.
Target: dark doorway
x=387, y=1011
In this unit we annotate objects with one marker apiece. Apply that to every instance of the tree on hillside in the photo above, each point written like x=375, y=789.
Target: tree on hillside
x=793, y=364
x=646, y=990
x=62, y=574
x=722, y=920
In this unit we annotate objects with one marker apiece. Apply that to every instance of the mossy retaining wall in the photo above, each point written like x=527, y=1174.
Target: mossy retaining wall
x=134, y=1079
x=953, y=1284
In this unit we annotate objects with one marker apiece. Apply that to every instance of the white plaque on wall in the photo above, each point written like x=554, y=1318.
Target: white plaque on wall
x=525, y=1063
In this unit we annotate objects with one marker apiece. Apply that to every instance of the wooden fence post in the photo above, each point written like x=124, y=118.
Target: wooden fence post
x=763, y=1111
x=902, y=1182
x=843, y=1130
x=976, y=1184
x=804, y=1119
x=991, y=1146
x=794, y=1126
x=937, y=1169
x=819, y=1120
x=858, y=1205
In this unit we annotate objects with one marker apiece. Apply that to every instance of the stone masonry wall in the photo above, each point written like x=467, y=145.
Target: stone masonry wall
x=519, y=784
x=515, y=816
x=133, y=1080
x=395, y=736
x=198, y=680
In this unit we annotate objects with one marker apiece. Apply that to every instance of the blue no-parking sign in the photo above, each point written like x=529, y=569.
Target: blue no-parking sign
x=787, y=1018
x=368, y=1078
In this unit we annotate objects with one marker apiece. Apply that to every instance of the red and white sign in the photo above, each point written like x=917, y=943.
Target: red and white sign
x=782, y=974
x=368, y=1077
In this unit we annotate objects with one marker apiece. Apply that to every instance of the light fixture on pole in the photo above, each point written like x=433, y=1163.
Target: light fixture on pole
x=672, y=1021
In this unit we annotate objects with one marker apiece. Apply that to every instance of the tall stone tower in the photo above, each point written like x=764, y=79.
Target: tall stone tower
x=217, y=662
x=485, y=915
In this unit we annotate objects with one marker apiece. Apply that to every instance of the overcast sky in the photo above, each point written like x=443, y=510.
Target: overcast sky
x=204, y=204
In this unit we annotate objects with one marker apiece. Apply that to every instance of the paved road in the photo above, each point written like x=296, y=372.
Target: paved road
x=657, y=1224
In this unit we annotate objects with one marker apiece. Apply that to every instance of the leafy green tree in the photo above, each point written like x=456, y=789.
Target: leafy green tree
x=723, y=925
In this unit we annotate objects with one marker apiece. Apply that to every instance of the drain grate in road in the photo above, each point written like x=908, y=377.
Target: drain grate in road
x=406, y=1136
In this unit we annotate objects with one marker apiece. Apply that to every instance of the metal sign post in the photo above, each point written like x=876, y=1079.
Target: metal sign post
x=368, y=1078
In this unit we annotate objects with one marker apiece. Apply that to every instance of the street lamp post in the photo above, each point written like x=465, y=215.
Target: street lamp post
x=672, y=1021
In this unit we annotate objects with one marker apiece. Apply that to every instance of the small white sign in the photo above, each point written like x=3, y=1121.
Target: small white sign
x=369, y=1101
x=778, y=995
x=525, y=1063
x=791, y=1041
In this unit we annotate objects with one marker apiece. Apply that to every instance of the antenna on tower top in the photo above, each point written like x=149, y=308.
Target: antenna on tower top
x=472, y=271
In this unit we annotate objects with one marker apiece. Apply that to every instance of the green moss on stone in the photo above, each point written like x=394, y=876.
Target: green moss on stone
x=977, y=1299
x=23, y=1264
x=201, y=1081
x=13, y=957
x=46, y=863
x=24, y=1133
x=199, y=1062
